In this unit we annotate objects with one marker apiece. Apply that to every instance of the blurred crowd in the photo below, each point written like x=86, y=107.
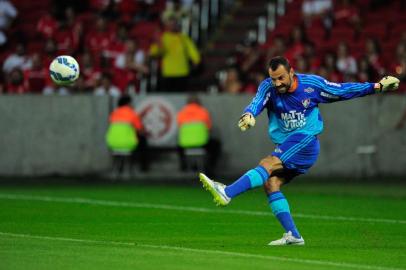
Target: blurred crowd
x=113, y=41
x=110, y=40
x=316, y=45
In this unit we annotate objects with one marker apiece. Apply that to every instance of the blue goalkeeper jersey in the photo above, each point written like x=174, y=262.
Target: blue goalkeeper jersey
x=298, y=112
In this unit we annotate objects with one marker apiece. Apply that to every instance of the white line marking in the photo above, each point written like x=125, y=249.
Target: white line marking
x=188, y=208
x=202, y=251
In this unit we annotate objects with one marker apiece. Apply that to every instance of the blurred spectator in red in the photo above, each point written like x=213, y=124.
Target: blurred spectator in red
x=131, y=66
x=15, y=82
x=231, y=82
x=366, y=72
x=133, y=58
x=90, y=73
x=125, y=80
x=296, y=44
x=346, y=63
x=250, y=57
x=100, y=39
x=7, y=14
x=50, y=52
x=18, y=59
x=127, y=10
x=64, y=39
x=347, y=13
x=117, y=45
x=398, y=67
x=47, y=24
x=302, y=65
x=311, y=56
x=373, y=54
x=36, y=77
x=329, y=68
x=75, y=26
x=401, y=71
x=106, y=87
x=254, y=80
x=318, y=11
x=277, y=47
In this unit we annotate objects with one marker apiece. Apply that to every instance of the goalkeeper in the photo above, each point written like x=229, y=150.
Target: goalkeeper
x=292, y=102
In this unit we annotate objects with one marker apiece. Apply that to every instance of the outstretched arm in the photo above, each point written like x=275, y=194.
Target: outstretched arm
x=331, y=92
x=257, y=105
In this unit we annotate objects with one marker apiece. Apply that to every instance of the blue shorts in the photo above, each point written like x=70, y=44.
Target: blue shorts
x=298, y=153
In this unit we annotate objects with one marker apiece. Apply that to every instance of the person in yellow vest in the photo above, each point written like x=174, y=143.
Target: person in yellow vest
x=194, y=123
x=126, y=134
x=179, y=55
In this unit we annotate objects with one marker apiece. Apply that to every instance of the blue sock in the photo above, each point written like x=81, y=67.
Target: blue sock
x=251, y=179
x=280, y=208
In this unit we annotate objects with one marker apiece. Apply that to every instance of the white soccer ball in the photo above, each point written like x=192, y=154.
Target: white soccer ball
x=64, y=70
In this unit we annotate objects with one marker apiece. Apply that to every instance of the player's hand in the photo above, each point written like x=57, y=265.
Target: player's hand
x=388, y=83
x=246, y=121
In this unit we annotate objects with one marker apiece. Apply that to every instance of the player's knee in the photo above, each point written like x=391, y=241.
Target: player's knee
x=273, y=184
x=271, y=163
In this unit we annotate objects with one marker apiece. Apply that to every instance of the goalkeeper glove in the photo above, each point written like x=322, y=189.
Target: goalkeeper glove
x=246, y=121
x=388, y=83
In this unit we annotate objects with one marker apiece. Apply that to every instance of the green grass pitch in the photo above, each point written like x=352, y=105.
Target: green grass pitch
x=178, y=227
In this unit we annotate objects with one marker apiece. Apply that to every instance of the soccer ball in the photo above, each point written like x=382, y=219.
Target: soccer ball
x=64, y=70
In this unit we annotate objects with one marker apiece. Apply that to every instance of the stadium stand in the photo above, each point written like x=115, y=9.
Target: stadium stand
x=373, y=31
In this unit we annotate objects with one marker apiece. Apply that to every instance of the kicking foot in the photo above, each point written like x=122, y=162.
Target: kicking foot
x=287, y=239
x=216, y=189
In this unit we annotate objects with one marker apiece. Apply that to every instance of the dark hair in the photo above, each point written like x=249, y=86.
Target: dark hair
x=124, y=100
x=193, y=99
x=277, y=61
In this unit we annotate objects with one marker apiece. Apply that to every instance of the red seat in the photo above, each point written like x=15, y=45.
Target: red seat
x=343, y=33
x=316, y=34
x=144, y=29
x=35, y=46
x=376, y=30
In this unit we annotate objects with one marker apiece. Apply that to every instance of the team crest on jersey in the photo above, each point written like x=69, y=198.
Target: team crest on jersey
x=309, y=90
x=278, y=150
x=306, y=102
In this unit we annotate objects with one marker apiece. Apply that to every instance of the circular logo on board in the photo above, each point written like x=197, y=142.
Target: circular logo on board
x=159, y=119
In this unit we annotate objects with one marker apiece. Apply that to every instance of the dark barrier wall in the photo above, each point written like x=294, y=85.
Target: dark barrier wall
x=65, y=135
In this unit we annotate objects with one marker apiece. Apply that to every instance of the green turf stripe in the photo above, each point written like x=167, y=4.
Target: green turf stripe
x=189, y=208
x=203, y=251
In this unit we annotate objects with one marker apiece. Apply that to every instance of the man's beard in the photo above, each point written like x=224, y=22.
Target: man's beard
x=283, y=88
